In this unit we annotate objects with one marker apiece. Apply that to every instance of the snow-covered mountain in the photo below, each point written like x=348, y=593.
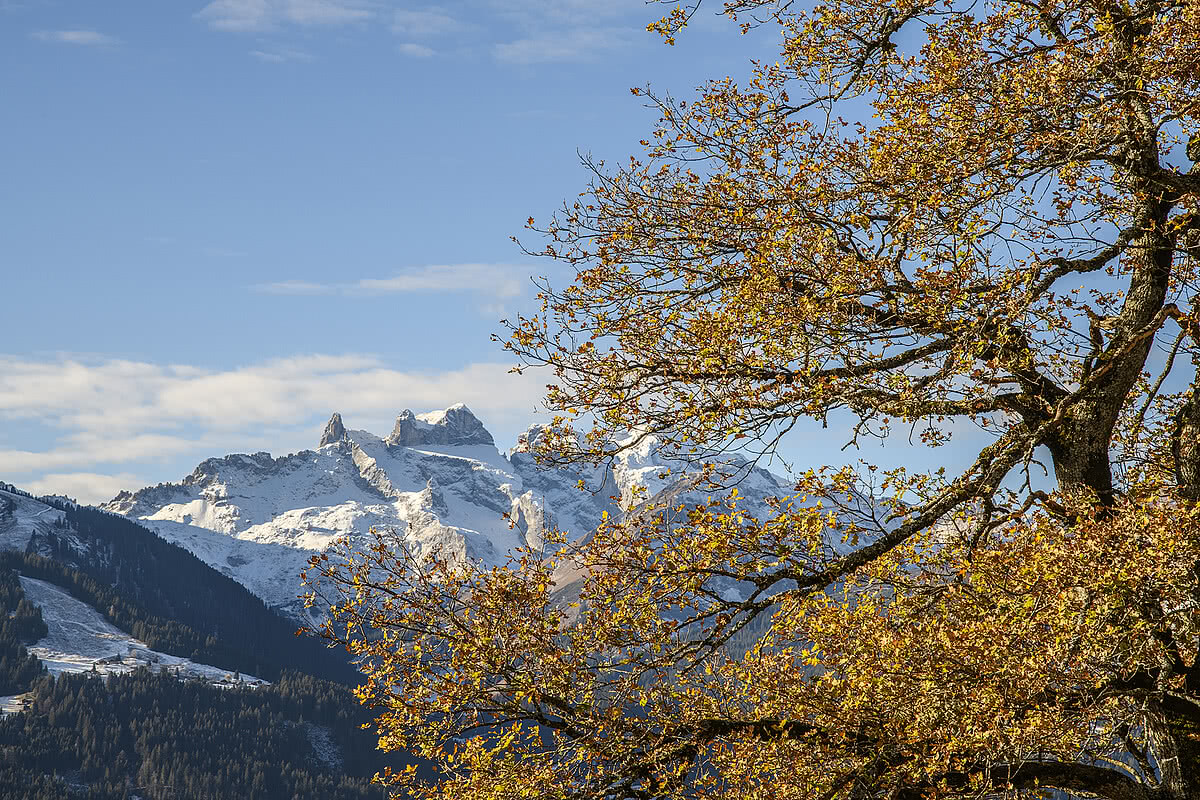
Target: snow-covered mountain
x=438, y=477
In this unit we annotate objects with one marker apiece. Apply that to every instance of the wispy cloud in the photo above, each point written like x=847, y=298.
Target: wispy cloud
x=495, y=280
x=534, y=14
x=521, y=32
x=296, y=287
x=414, y=50
x=422, y=24
x=81, y=37
x=280, y=55
x=425, y=22
x=123, y=414
x=260, y=15
x=563, y=45
x=568, y=30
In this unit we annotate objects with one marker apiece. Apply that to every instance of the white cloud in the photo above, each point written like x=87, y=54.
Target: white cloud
x=414, y=50
x=75, y=37
x=563, y=45
x=534, y=14
x=569, y=30
x=85, y=487
x=296, y=287
x=427, y=22
x=270, y=55
x=494, y=280
x=260, y=15
x=89, y=447
x=115, y=412
x=512, y=31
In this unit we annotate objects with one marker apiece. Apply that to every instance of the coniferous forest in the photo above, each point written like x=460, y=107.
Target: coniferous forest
x=156, y=737
x=20, y=623
x=168, y=598
x=151, y=735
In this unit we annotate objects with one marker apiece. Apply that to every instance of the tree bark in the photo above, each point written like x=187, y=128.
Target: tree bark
x=1081, y=453
x=1175, y=743
x=1080, y=448
x=1185, y=449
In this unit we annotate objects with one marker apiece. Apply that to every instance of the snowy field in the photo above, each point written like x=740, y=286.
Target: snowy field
x=12, y=703
x=81, y=640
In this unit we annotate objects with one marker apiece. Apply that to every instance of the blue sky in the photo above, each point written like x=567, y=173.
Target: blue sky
x=222, y=221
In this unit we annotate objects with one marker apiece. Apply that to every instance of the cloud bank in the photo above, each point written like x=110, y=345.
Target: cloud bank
x=118, y=419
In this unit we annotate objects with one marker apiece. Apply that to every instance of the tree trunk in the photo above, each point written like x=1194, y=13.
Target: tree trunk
x=1185, y=448
x=1081, y=452
x=1175, y=745
x=1081, y=446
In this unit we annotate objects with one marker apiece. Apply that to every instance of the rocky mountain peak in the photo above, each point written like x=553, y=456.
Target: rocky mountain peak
x=528, y=441
x=455, y=425
x=260, y=519
x=334, y=430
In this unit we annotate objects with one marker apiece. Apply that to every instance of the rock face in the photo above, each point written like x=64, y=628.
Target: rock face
x=437, y=478
x=334, y=430
x=456, y=426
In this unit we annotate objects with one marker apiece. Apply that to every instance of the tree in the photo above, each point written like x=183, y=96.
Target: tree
x=1007, y=238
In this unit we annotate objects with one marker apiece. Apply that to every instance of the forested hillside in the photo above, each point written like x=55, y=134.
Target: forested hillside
x=167, y=597
x=20, y=623
x=152, y=735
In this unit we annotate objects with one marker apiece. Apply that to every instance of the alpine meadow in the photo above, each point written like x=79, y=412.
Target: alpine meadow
x=943, y=221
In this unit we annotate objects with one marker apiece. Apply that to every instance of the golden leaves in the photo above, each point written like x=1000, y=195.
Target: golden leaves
x=764, y=260
x=942, y=652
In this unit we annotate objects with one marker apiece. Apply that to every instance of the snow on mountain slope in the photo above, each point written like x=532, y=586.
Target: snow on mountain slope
x=438, y=477
x=26, y=524
x=79, y=639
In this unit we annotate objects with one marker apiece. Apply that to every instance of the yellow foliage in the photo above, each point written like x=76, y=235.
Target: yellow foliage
x=1007, y=237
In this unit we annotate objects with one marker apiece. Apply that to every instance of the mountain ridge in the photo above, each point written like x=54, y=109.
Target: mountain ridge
x=438, y=477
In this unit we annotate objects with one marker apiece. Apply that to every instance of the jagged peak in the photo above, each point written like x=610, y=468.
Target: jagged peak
x=335, y=431
x=437, y=417
x=529, y=438
x=431, y=498
x=543, y=435
x=455, y=425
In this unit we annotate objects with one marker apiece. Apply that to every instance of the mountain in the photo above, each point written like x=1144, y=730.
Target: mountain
x=141, y=643
x=159, y=594
x=437, y=476
x=128, y=670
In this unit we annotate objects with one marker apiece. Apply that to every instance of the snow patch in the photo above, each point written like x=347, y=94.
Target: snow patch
x=31, y=520
x=14, y=703
x=80, y=639
x=325, y=749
